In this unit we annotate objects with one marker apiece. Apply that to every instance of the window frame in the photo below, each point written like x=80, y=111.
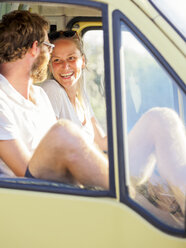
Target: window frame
x=54, y=187
x=118, y=16
x=166, y=18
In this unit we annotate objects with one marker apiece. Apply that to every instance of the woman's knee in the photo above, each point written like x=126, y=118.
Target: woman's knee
x=162, y=117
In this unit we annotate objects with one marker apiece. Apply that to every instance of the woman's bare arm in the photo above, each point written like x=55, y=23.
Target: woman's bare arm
x=100, y=138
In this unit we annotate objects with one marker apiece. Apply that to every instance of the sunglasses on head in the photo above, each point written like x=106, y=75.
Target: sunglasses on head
x=60, y=34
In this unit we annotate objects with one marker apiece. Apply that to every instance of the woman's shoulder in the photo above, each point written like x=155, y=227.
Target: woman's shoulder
x=50, y=83
x=51, y=86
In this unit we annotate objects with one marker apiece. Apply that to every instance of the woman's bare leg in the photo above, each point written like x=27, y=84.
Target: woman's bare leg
x=159, y=136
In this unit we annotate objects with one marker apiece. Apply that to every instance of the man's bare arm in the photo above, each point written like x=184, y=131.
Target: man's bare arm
x=15, y=155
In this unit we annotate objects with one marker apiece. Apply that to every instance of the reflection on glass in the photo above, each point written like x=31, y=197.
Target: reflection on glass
x=156, y=138
x=94, y=75
x=174, y=12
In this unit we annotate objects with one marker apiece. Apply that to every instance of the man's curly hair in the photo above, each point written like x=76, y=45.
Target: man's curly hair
x=18, y=30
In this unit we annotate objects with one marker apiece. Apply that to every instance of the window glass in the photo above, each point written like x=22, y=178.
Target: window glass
x=156, y=137
x=174, y=12
x=66, y=67
x=94, y=73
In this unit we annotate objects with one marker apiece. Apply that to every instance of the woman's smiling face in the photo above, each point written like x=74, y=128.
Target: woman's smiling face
x=67, y=63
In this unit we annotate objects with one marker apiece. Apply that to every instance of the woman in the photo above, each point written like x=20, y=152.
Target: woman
x=158, y=138
x=65, y=89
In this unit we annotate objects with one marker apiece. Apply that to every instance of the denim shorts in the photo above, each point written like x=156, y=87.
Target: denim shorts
x=28, y=173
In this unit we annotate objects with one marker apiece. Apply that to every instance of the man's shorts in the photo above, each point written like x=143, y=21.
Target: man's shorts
x=28, y=173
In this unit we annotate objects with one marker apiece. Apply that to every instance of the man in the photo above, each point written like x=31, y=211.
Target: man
x=31, y=141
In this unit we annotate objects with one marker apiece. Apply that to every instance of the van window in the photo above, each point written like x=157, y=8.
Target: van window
x=94, y=74
x=151, y=92
x=174, y=12
x=59, y=15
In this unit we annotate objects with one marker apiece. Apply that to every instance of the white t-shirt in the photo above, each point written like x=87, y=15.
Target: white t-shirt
x=22, y=119
x=63, y=108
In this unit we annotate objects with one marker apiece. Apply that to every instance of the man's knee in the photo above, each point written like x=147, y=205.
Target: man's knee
x=65, y=128
x=56, y=151
x=66, y=142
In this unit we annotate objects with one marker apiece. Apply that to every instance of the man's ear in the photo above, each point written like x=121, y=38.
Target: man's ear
x=34, y=48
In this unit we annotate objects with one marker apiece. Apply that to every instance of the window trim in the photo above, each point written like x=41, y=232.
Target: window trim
x=118, y=16
x=107, y=86
x=88, y=19
x=40, y=185
x=53, y=187
x=166, y=18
